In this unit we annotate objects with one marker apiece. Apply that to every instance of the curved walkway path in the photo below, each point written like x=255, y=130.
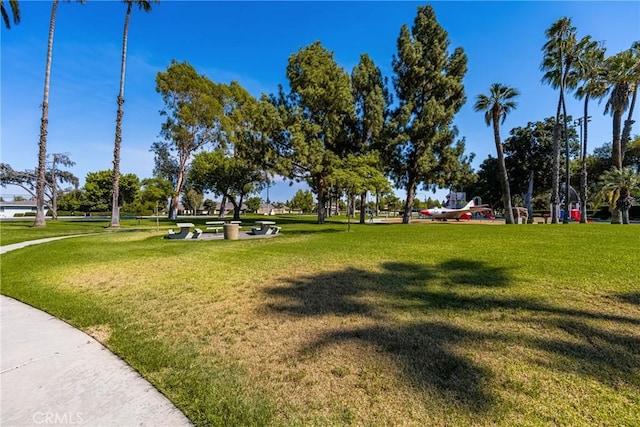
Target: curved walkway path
x=54, y=374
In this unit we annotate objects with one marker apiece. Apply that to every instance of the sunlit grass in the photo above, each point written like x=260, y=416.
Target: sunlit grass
x=425, y=324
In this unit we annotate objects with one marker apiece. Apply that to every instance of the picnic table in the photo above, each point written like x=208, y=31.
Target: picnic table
x=265, y=227
x=185, y=231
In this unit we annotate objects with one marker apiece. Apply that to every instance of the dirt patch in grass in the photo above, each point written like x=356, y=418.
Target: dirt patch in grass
x=100, y=333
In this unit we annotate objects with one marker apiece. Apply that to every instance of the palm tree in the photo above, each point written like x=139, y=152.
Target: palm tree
x=617, y=186
x=15, y=12
x=496, y=106
x=559, y=54
x=634, y=81
x=44, y=124
x=622, y=75
x=590, y=68
x=144, y=5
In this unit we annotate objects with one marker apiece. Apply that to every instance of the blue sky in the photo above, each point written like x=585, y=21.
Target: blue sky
x=250, y=42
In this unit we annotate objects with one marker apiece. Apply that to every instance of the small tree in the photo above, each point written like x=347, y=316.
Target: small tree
x=356, y=175
x=302, y=200
x=27, y=180
x=617, y=188
x=253, y=203
x=192, y=200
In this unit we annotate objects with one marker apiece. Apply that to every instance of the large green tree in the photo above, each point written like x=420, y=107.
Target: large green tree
x=371, y=99
x=316, y=114
x=496, y=106
x=144, y=5
x=238, y=168
x=429, y=92
x=559, y=53
x=98, y=190
x=194, y=117
x=590, y=69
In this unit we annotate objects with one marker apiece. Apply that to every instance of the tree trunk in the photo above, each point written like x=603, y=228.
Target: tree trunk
x=411, y=190
x=115, y=190
x=363, y=205
x=616, y=148
x=567, y=187
x=44, y=123
x=54, y=193
x=626, y=131
x=555, y=168
x=528, y=197
x=625, y=216
x=504, y=178
x=236, y=210
x=321, y=199
x=583, y=169
x=616, y=158
x=173, y=209
x=223, y=206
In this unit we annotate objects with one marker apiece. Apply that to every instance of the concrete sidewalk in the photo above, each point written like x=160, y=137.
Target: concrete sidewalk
x=54, y=374
x=7, y=248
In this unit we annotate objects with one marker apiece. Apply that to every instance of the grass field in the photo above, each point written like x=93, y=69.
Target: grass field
x=421, y=324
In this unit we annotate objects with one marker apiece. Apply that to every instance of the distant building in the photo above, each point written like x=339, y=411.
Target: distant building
x=273, y=209
x=10, y=209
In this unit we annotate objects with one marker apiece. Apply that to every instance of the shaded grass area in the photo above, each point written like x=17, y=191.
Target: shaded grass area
x=388, y=324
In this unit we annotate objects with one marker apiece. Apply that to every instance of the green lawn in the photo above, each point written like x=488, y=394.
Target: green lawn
x=425, y=324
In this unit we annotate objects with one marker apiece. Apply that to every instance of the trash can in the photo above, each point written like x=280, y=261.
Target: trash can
x=231, y=231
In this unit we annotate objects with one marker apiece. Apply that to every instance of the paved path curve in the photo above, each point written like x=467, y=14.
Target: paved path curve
x=7, y=248
x=54, y=374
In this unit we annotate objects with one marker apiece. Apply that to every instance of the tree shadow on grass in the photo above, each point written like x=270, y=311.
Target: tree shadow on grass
x=423, y=349
x=426, y=349
x=630, y=298
x=425, y=358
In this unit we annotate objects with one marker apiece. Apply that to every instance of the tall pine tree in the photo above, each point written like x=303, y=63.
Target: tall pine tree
x=428, y=85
